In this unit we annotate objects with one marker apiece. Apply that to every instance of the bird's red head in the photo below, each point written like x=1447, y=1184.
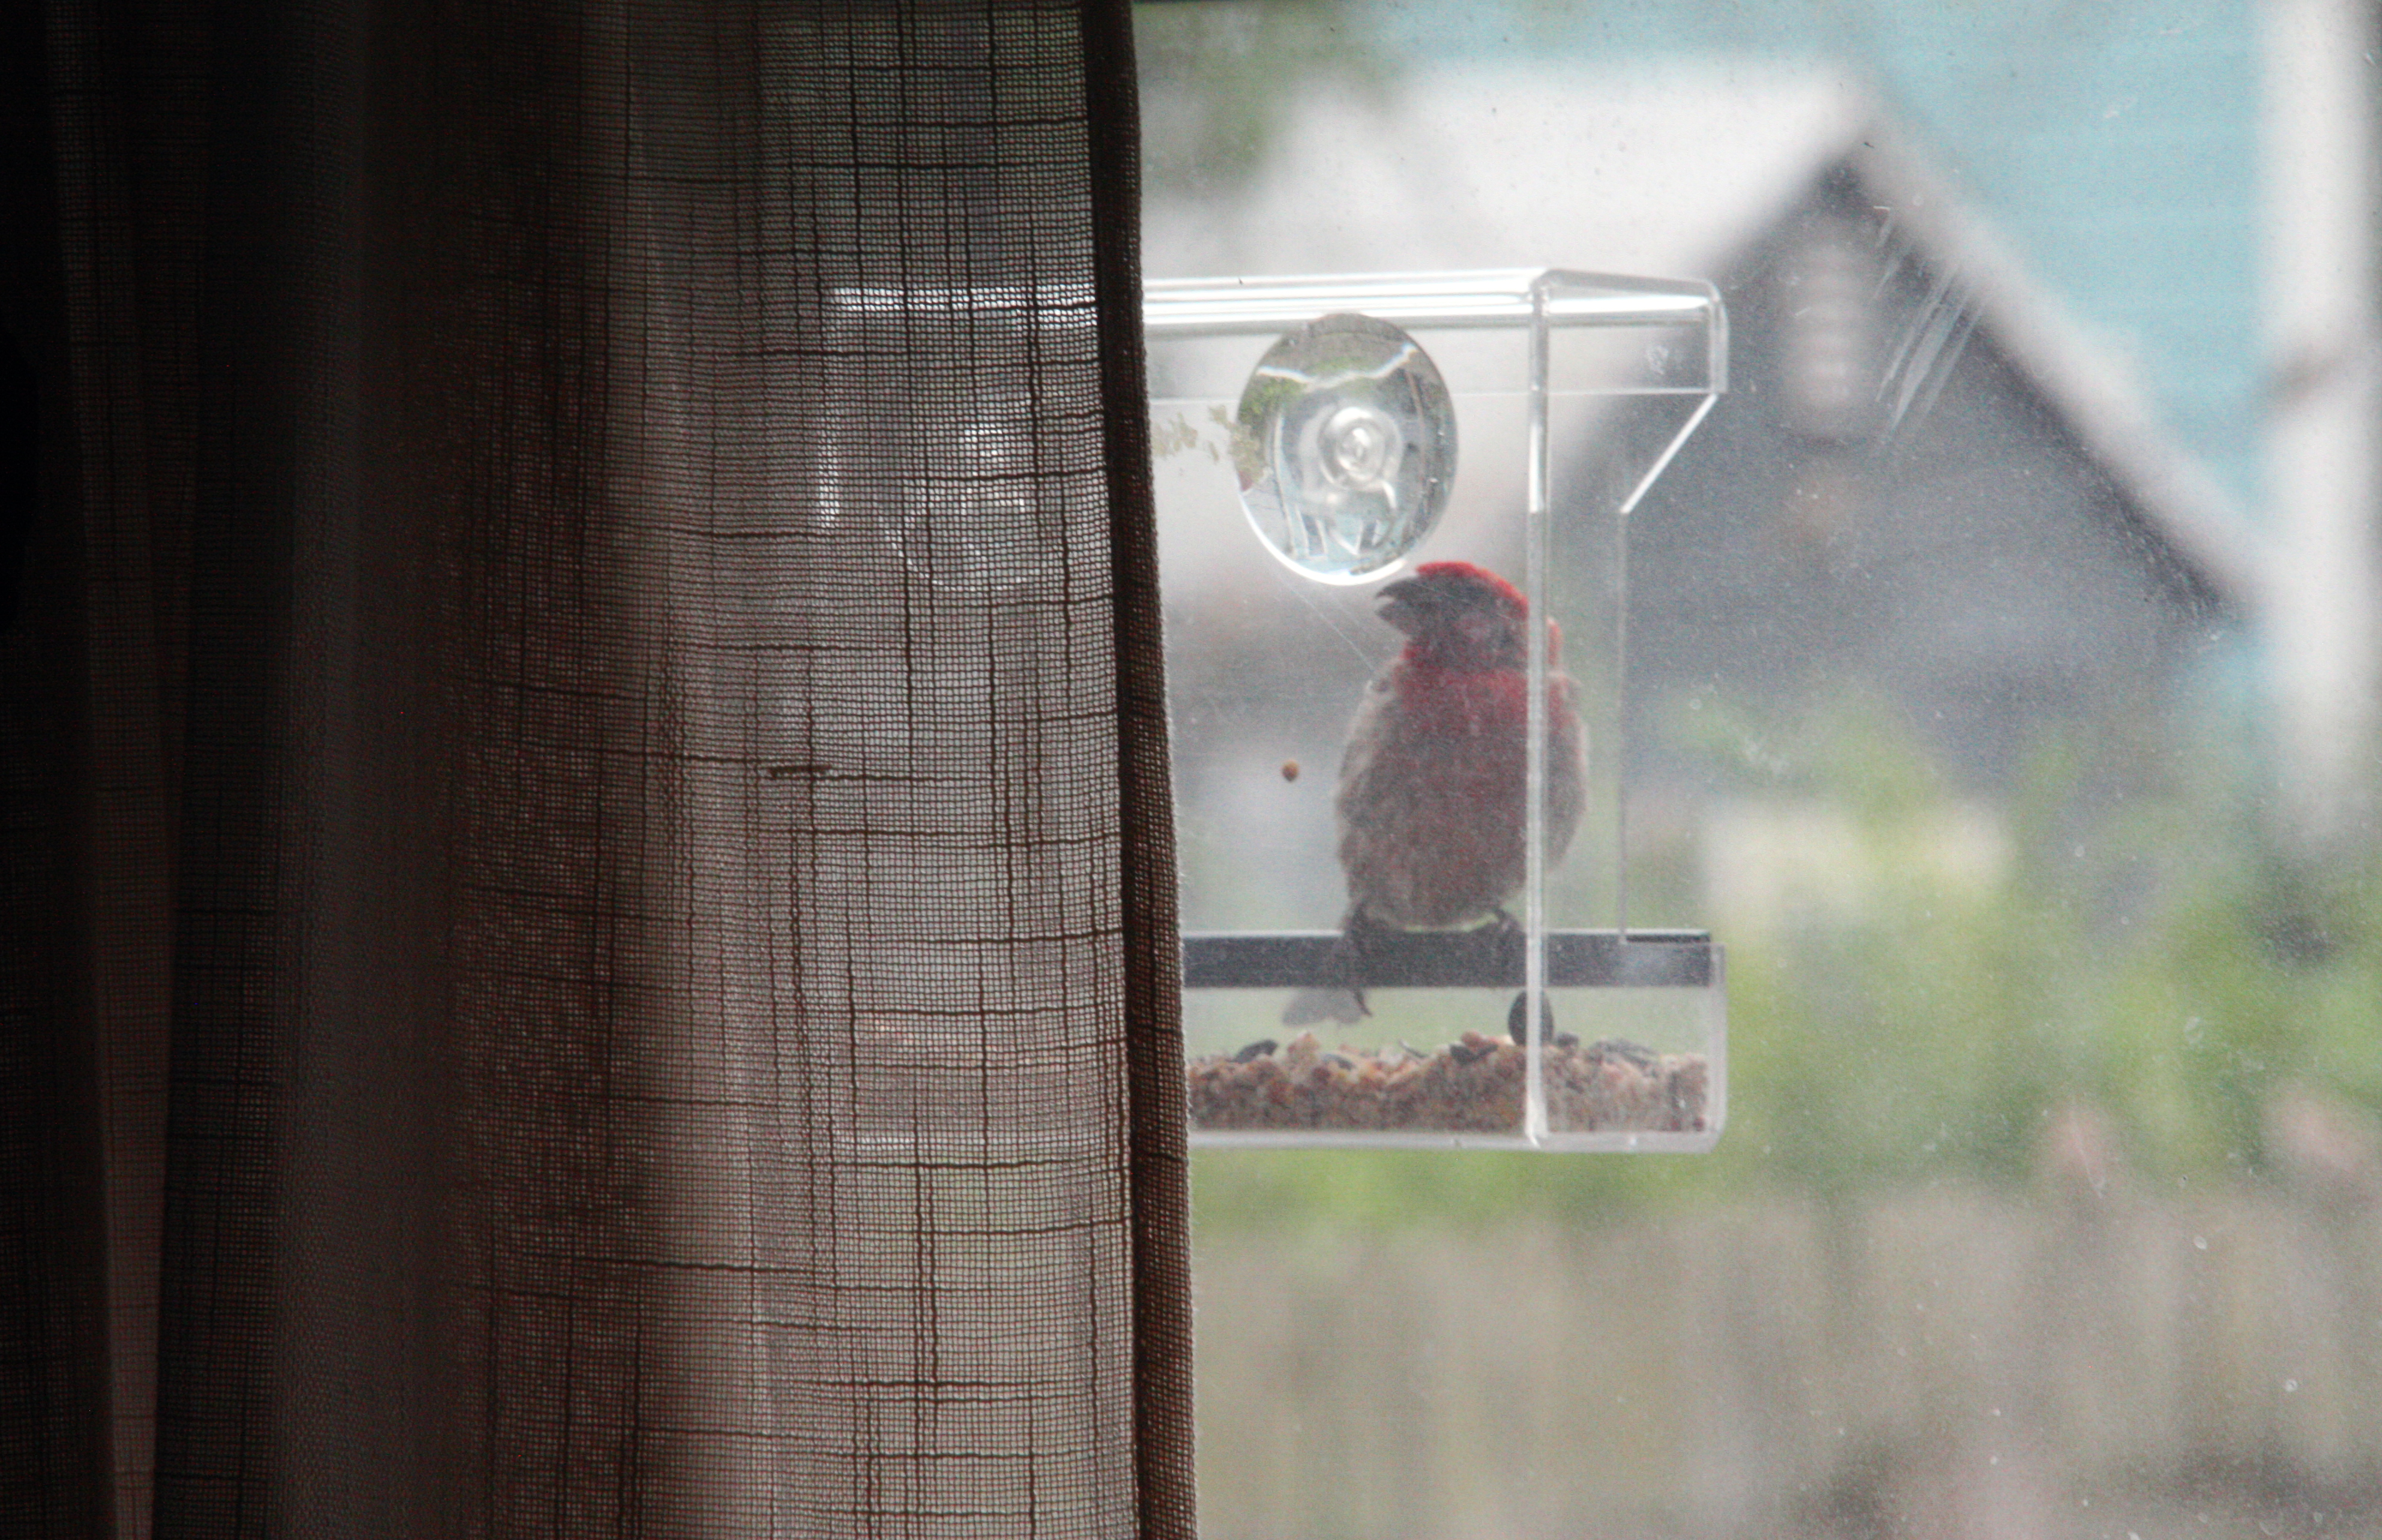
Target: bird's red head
x=1458, y=616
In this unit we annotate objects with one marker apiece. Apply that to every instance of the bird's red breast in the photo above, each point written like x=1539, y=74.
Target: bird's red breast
x=1434, y=791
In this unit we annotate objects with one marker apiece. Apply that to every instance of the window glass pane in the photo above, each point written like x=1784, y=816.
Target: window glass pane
x=1999, y=691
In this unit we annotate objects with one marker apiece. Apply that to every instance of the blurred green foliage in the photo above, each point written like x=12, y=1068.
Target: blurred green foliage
x=2142, y=953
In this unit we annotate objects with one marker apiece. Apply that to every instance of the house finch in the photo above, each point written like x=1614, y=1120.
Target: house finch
x=1432, y=787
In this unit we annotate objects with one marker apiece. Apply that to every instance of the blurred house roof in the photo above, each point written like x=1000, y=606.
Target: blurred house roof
x=1682, y=169
x=2120, y=146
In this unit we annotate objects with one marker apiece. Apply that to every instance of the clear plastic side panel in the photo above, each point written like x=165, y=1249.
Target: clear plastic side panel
x=1352, y=566
x=1636, y=1027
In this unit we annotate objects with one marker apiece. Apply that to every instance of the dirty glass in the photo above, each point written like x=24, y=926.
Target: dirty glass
x=2000, y=662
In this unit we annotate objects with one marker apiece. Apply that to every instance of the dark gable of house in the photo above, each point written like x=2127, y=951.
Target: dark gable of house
x=1885, y=505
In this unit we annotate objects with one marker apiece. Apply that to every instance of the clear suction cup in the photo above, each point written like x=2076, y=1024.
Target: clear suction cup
x=1344, y=442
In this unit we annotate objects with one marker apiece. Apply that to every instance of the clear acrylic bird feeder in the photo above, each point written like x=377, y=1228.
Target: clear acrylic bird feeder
x=1316, y=439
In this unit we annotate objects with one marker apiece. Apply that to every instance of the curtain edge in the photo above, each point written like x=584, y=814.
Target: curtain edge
x=1158, y=1174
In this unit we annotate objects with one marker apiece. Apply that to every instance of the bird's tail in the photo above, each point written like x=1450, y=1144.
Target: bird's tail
x=1310, y=1006
x=1342, y=1002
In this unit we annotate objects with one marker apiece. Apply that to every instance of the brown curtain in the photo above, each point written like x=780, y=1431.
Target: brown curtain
x=586, y=905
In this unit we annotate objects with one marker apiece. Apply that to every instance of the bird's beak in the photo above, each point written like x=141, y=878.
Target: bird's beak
x=1402, y=603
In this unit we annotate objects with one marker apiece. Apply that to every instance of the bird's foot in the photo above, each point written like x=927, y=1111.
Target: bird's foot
x=1362, y=940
